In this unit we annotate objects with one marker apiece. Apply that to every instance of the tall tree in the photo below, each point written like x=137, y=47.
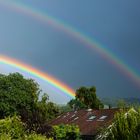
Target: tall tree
x=86, y=98
x=17, y=95
x=20, y=96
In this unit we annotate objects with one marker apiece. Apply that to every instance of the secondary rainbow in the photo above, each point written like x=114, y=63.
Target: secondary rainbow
x=39, y=74
x=89, y=42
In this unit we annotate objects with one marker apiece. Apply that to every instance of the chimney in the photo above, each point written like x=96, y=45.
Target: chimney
x=109, y=106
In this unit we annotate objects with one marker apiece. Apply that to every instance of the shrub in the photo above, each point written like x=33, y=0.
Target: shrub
x=12, y=127
x=34, y=136
x=66, y=132
x=5, y=136
x=126, y=126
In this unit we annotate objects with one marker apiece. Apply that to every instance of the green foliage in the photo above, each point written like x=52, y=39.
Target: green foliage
x=12, y=129
x=20, y=96
x=44, y=112
x=52, y=110
x=126, y=126
x=86, y=98
x=17, y=95
x=66, y=132
x=5, y=136
x=65, y=108
x=121, y=104
x=76, y=104
x=34, y=136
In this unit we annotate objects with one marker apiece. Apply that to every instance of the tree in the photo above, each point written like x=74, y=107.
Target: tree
x=76, y=104
x=20, y=96
x=17, y=95
x=86, y=98
x=65, y=108
x=121, y=104
x=48, y=110
x=44, y=111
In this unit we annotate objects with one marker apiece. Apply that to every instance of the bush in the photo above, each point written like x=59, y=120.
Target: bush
x=13, y=128
x=5, y=136
x=66, y=132
x=126, y=126
x=34, y=136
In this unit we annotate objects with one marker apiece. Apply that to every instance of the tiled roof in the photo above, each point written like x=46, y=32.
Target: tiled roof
x=89, y=121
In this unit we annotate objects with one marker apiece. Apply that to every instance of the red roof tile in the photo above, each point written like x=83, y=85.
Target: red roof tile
x=81, y=118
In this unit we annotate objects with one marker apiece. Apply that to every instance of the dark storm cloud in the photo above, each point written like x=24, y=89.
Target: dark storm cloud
x=115, y=24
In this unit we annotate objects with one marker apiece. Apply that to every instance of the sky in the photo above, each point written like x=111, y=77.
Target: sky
x=115, y=25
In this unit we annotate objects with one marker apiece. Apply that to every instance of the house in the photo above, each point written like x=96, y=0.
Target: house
x=89, y=121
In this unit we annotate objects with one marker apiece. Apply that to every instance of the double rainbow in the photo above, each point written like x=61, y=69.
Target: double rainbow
x=89, y=42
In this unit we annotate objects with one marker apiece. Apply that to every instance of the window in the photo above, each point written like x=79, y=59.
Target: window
x=102, y=118
x=68, y=114
x=75, y=112
x=91, y=118
x=75, y=118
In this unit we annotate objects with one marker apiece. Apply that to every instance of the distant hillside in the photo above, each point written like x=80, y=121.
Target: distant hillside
x=114, y=101
x=132, y=100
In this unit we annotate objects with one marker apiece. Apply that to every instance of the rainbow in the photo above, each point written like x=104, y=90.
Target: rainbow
x=46, y=19
x=37, y=73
